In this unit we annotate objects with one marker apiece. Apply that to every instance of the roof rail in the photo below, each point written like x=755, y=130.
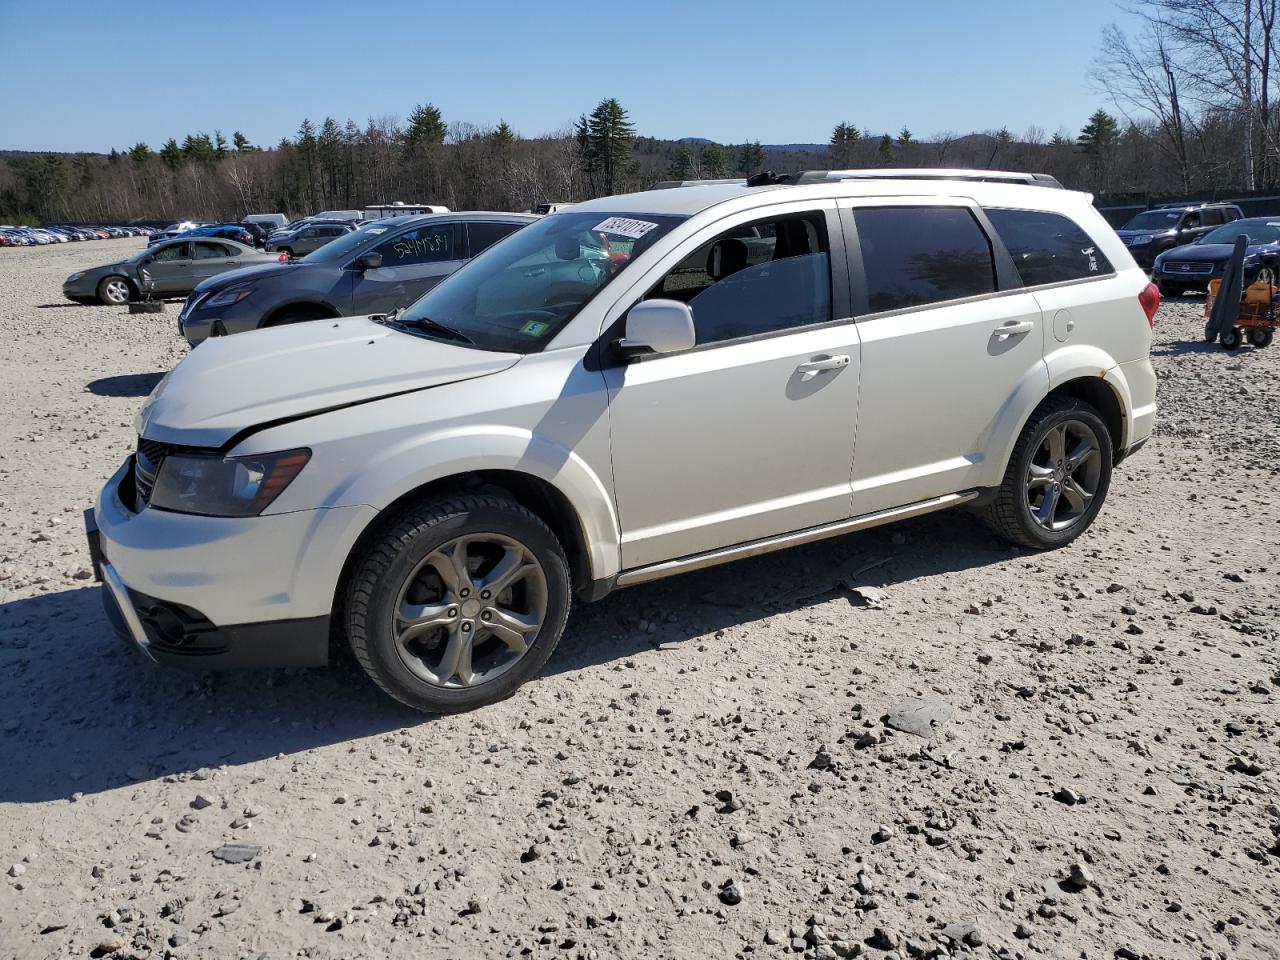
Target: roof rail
x=669, y=184
x=925, y=173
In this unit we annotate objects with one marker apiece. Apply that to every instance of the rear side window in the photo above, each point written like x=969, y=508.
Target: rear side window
x=1048, y=247
x=482, y=236
x=913, y=256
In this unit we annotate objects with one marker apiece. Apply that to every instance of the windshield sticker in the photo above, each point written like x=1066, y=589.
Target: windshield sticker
x=535, y=328
x=625, y=227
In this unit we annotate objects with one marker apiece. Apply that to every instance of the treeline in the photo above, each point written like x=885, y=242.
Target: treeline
x=1191, y=110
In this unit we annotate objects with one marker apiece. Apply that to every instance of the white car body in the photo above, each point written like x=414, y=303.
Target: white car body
x=664, y=465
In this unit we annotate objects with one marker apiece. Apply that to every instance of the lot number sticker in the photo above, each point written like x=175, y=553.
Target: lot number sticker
x=625, y=227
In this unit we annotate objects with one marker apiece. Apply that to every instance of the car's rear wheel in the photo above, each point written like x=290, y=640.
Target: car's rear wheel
x=1057, y=478
x=457, y=601
x=114, y=291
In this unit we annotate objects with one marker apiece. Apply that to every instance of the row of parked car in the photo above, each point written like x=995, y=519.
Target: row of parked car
x=39, y=236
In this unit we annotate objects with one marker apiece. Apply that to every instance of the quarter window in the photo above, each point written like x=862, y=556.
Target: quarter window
x=913, y=256
x=1048, y=247
x=759, y=278
x=426, y=244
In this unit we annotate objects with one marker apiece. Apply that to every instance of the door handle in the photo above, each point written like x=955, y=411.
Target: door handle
x=1007, y=330
x=814, y=367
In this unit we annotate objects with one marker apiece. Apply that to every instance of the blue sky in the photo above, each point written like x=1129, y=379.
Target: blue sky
x=91, y=76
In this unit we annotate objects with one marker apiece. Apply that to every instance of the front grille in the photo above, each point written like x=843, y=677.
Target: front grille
x=1188, y=267
x=146, y=467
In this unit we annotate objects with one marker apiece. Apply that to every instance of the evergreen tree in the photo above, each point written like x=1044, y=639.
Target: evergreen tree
x=843, y=139
x=683, y=166
x=715, y=163
x=219, y=144
x=750, y=158
x=140, y=152
x=1099, y=135
x=904, y=137
x=426, y=126
x=605, y=141
x=886, y=149
x=241, y=142
x=172, y=154
x=503, y=135
x=199, y=148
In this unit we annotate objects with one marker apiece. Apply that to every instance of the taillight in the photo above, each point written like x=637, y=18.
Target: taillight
x=1149, y=299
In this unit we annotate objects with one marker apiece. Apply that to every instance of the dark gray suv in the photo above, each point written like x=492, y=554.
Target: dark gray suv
x=1152, y=232
x=383, y=265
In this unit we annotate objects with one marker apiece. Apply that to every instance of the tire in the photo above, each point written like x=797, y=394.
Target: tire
x=1013, y=514
x=400, y=568
x=115, y=291
x=1231, y=339
x=297, y=315
x=1261, y=336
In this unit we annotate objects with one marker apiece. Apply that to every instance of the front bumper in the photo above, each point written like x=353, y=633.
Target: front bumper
x=1172, y=272
x=221, y=592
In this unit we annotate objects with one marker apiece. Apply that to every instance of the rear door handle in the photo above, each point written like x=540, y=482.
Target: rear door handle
x=814, y=367
x=1007, y=330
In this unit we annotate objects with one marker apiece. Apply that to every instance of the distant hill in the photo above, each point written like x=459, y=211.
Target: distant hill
x=784, y=147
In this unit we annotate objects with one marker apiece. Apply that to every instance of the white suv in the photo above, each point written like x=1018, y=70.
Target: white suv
x=630, y=388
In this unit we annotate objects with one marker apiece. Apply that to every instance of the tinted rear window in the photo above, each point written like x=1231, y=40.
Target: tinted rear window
x=1048, y=247
x=914, y=256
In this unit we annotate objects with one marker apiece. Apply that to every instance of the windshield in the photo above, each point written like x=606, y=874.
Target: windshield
x=1256, y=232
x=520, y=292
x=1154, y=220
x=339, y=247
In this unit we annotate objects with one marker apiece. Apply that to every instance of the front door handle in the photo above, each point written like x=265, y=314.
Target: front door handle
x=814, y=367
x=1013, y=327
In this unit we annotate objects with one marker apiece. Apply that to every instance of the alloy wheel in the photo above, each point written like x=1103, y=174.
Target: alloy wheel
x=470, y=610
x=1064, y=475
x=116, y=290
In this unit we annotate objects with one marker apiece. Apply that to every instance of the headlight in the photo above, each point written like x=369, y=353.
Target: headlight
x=228, y=297
x=75, y=276
x=230, y=487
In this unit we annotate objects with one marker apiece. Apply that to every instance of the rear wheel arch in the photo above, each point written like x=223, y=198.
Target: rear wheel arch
x=1102, y=396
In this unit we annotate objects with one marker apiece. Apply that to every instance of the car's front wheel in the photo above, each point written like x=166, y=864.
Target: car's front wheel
x=114, y=291
x=457, y=601
x=1057, y=478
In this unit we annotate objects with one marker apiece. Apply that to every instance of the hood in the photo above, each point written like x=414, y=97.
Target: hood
x=261, y=271
x=1202, y=251
x=229, y=384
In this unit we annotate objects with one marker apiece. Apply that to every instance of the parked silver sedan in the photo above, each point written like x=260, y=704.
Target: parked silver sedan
x=170, y=268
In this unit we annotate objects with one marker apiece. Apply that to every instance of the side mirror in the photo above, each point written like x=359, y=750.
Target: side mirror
x=657, y=327
x=370, y=261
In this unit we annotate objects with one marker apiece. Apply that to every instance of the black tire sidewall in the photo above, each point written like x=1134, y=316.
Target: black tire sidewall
x=1231, y=339
x=1049, y=539
x=397, y=678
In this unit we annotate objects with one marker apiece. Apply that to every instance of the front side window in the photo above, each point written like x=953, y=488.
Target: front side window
x=1192, y=222
x=430, y=243
x=1047, y=247
x=758, y=278
x=913, y=256
x=520, y=293
x=1212, y=216
x=177, y=251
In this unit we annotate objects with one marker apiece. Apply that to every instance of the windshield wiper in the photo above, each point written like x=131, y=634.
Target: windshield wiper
x=425, y=323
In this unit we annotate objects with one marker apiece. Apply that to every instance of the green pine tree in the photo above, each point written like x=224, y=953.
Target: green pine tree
x=605, y=142
x=750, y=158
x=715, y=163
x=426, y=126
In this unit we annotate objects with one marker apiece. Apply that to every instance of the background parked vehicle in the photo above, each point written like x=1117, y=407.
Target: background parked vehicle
x=1151, y=232
x=1192, y=266
x=269, y=221
x=380, y=211
x=374, y=270
x=172, y=267
x=309, y=237
x=226, y=231
x=174, y=229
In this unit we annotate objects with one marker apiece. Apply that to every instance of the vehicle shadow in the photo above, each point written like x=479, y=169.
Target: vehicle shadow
x=69, y=303
x=126, y=385
x=1181, y=347
x=85, y=713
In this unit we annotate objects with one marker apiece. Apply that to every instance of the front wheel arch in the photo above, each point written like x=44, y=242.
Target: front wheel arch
x=322, y=311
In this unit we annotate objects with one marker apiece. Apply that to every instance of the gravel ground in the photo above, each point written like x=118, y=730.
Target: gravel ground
x=705, y=770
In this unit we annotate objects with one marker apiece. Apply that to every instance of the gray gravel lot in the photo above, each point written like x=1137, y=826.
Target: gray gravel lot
x=705, y=769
